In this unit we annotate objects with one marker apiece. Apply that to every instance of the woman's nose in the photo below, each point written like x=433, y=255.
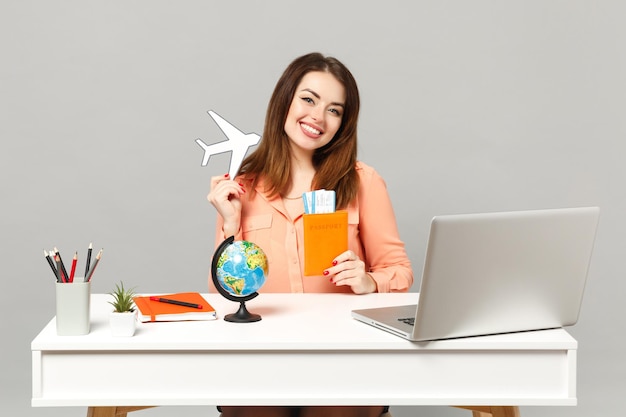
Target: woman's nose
x=317, y=113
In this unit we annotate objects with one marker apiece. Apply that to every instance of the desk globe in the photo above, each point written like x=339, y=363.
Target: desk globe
x=238, y=271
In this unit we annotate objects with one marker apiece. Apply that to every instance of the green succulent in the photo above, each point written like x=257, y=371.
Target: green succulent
x=122, y=299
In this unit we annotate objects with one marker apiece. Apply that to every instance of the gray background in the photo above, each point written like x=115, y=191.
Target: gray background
x=468, y=106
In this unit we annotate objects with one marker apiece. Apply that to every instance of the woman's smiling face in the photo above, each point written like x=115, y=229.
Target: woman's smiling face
x=316, y=111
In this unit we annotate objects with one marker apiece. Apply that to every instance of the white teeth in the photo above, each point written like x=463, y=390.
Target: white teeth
x=310, y=129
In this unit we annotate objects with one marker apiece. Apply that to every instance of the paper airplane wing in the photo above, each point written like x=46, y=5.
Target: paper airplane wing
x=229, y=130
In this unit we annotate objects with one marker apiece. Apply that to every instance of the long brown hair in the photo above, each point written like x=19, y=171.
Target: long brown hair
x=335, y=163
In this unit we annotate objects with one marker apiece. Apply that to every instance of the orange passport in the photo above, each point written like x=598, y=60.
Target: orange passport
x=151, y=310
x=325, y=237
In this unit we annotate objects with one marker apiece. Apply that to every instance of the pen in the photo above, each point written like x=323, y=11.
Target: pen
x=51, y=263
x=88, y=265
x=93, y=267
x=73, y=270
x=178, y=303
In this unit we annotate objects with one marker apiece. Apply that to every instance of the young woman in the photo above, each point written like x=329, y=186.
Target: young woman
x=310, y=142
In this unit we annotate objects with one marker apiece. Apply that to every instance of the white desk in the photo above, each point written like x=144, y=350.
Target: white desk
x=306, y=350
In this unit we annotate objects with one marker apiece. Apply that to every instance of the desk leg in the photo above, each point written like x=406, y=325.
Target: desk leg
x=495, y=411
x=112, y=411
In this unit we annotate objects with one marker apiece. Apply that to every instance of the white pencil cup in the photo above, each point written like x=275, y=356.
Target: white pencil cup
x=72, y=303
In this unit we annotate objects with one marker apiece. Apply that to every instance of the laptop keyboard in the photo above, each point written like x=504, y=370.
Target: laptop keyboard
x=408, y=320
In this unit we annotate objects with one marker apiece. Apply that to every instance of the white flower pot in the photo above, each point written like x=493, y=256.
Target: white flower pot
x=123, y=324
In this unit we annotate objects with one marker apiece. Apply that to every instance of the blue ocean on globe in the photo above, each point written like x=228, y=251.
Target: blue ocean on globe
x=242, y=268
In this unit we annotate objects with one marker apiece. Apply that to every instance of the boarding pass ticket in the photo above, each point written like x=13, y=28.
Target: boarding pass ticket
x=319, y=201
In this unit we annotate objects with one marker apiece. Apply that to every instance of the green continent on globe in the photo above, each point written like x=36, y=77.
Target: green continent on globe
x=255, y=259
x=235, y=284
x=242, y=268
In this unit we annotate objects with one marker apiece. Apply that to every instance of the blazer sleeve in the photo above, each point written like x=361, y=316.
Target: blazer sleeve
x=385, y=254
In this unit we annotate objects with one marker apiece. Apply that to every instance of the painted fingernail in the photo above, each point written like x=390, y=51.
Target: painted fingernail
x=226, y=175
x=326, y=272
x=334, y=263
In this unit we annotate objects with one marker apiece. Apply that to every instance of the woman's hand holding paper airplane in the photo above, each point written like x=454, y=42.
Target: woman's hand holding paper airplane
x=225, y=197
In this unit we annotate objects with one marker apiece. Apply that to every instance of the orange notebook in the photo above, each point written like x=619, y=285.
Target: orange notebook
x=152, y=310
x=325, y=237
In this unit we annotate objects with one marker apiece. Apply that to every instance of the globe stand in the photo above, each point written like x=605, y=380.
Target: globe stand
x=242, y=315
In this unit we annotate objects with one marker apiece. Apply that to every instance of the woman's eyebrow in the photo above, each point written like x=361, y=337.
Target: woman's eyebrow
x=318, y=97
x=311, y=91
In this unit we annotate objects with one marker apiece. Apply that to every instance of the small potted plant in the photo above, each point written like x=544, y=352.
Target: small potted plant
x=124, y=316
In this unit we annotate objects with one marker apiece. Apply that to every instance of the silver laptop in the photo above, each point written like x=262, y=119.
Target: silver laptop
x=495, y=273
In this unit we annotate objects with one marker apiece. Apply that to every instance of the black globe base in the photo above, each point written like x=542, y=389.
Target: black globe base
x=242, y=315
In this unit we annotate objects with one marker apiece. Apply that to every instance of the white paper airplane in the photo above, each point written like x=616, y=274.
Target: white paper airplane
x=237, y=142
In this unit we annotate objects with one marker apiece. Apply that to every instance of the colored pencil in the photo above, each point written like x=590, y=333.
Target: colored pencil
x=88, y=263
x=73, y=270
x=51, y=263
x=57, y=259
x=93, y=267
x=66, y=278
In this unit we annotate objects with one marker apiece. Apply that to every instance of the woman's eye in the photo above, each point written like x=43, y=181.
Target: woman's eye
x=336, y=112
x=307, y=99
